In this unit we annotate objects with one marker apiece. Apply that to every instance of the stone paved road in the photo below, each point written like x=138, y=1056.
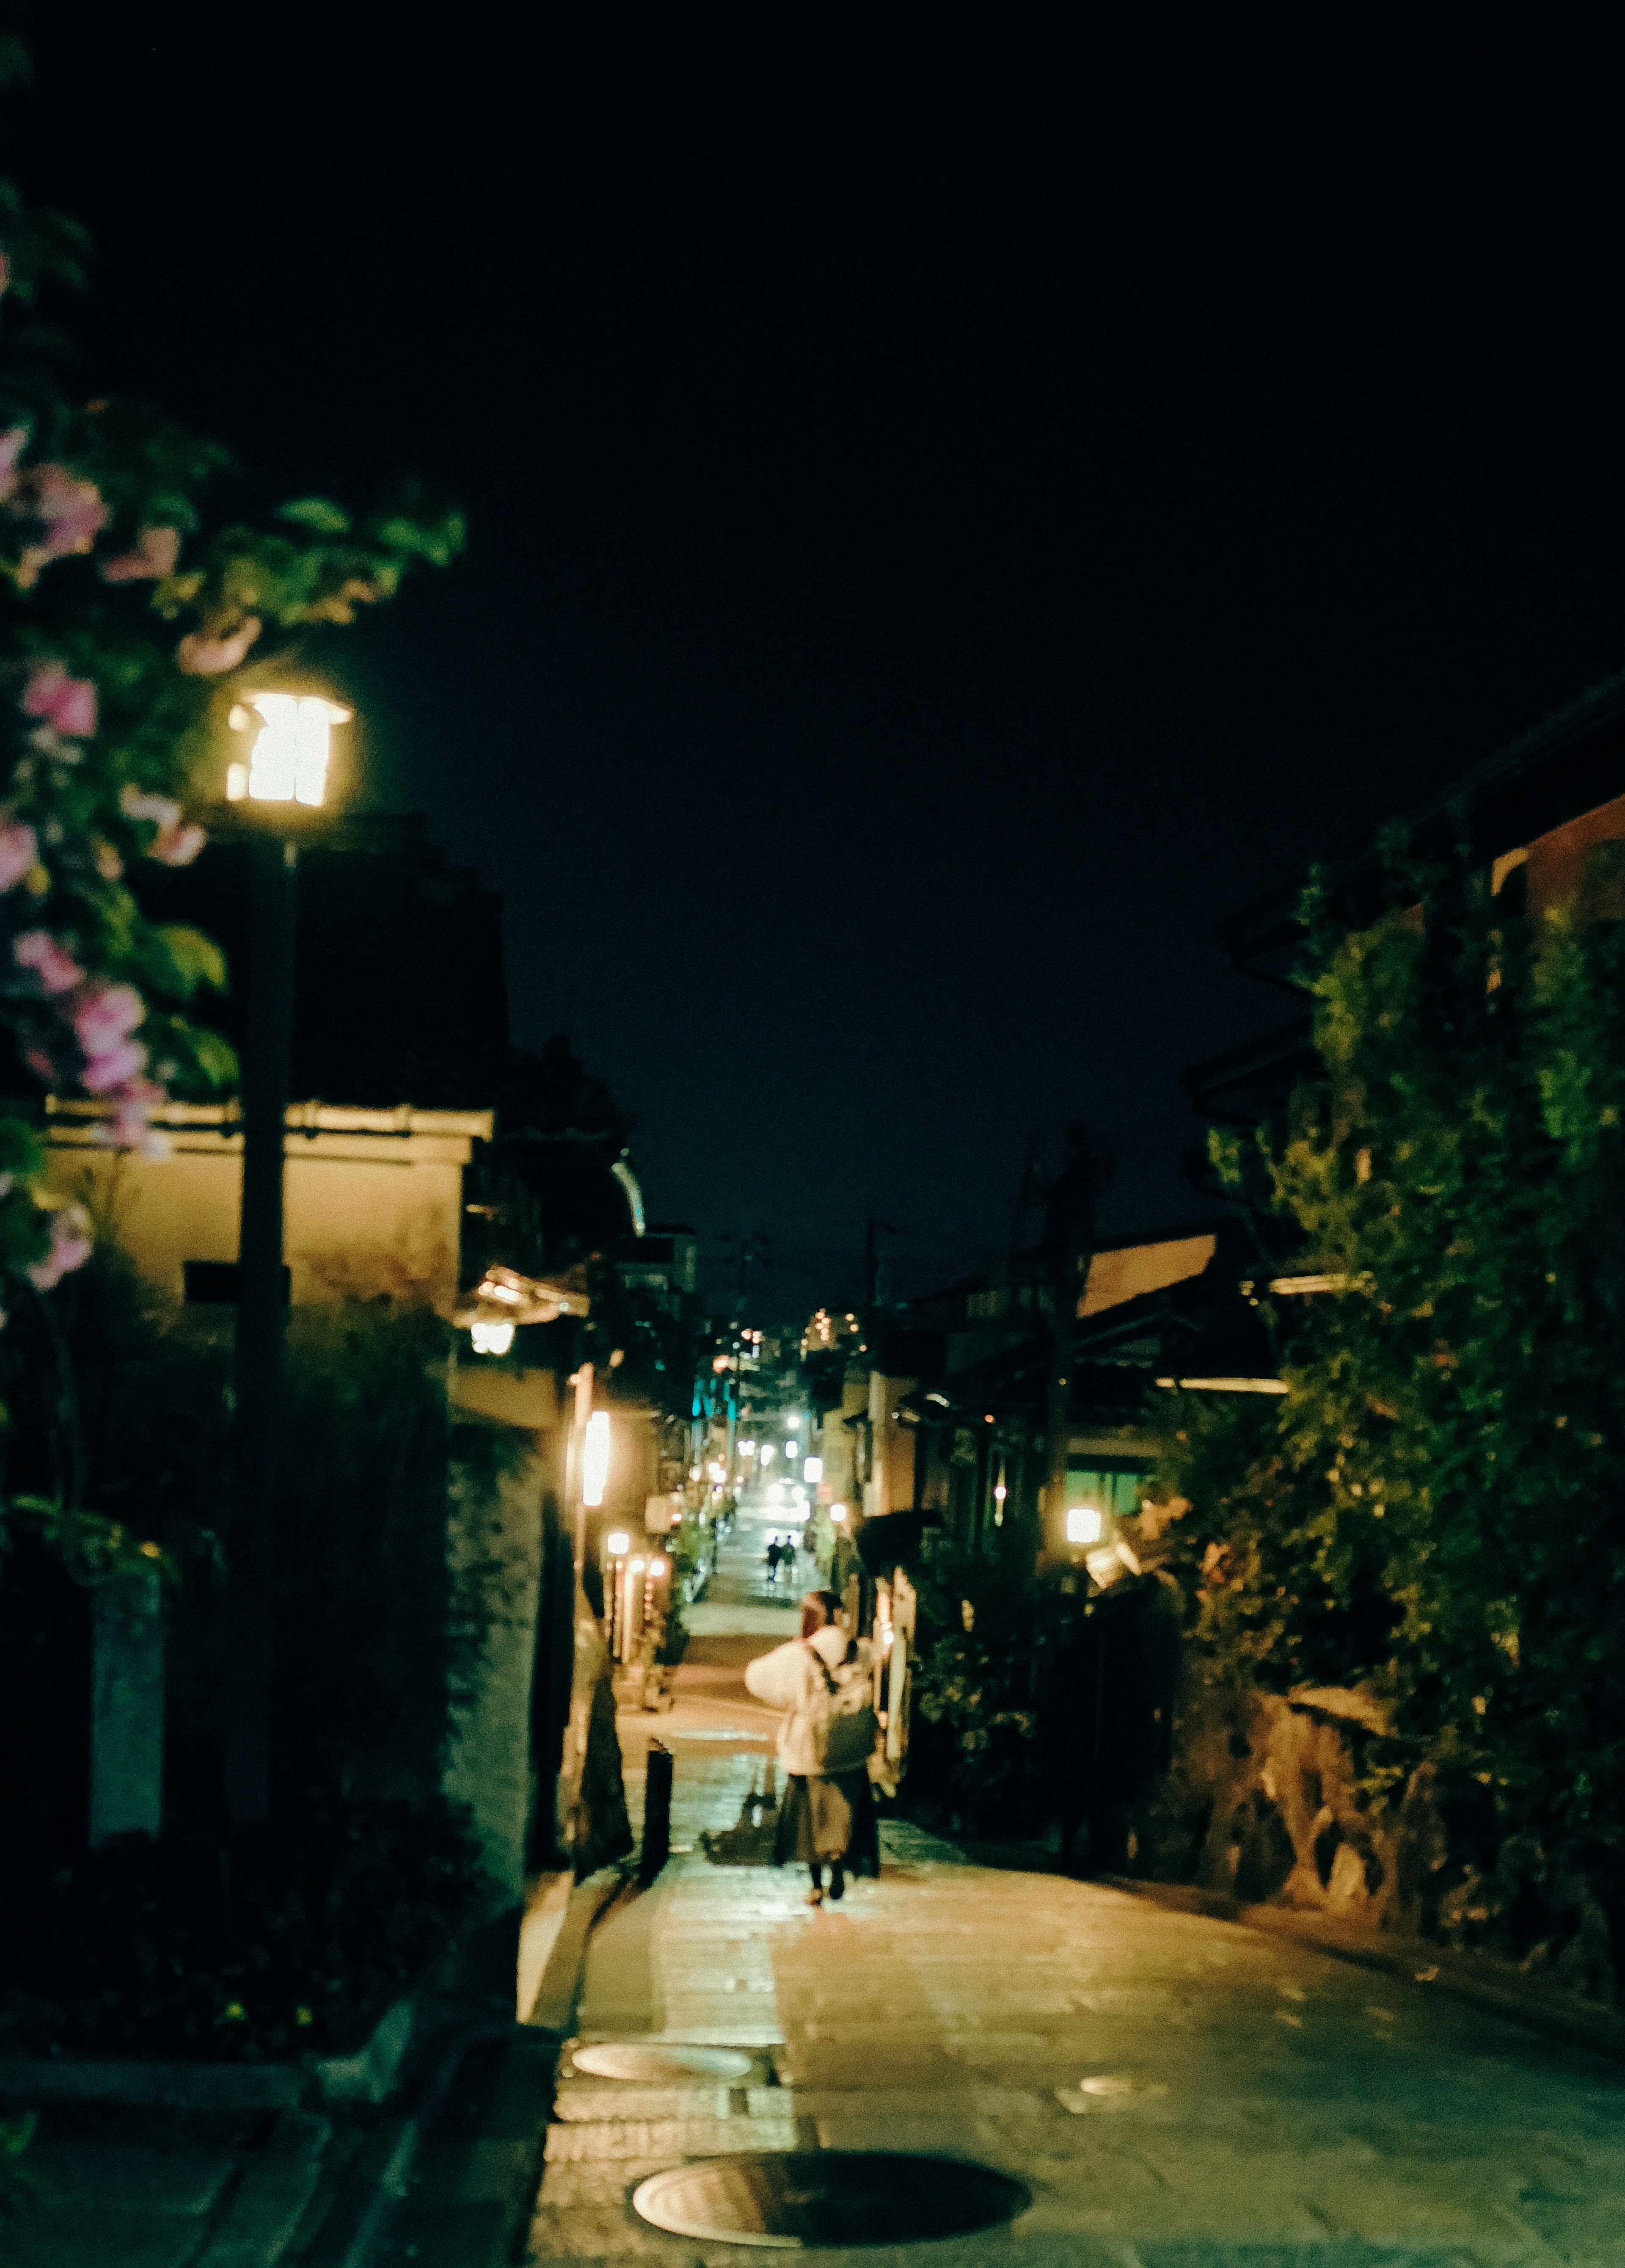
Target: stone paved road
x=1174, y=2091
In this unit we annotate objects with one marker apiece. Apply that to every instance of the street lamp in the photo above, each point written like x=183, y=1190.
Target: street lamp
x=288, y=755
x=283, y=778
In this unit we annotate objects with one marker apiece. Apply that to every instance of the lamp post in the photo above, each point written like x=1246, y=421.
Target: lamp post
x=283, y=777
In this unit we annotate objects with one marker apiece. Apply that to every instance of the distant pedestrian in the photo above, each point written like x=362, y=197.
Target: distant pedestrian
x=823, y=1682
x=772, y=1556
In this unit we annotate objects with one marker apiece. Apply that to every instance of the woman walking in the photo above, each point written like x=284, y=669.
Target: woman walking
x=822, y=1681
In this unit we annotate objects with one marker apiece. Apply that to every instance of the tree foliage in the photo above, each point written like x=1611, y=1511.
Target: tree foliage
x=1439, y=1498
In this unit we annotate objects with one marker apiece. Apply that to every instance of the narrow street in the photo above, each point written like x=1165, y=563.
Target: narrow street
x=1168, y=2090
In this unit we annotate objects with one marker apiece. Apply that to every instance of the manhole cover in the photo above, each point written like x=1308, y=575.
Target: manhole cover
x=657, y=2060
x=792, y=2198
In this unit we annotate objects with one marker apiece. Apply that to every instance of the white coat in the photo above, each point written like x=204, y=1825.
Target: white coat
x=788, y=1678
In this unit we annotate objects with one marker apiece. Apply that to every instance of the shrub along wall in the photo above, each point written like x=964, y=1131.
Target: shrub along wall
x=367, y=1868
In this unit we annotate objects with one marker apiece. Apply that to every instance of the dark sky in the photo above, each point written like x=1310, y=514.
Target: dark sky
x=955, y=510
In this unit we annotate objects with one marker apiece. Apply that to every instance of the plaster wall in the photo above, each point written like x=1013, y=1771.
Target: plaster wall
x=369, y=1210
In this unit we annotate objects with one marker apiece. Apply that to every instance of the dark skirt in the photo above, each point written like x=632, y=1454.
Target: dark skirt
x=827, y=1819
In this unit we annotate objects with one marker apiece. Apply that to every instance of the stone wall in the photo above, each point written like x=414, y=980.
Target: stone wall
x=1264, y=1802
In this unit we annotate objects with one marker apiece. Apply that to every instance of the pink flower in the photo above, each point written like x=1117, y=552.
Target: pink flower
x=13, y=443
x=104, y=1072
x=159, y=808
x=56, y=970
x=71, y=510
x=205, y=656
x=155, y=551
x=104, y=1014
x=19, y=852
x=128, y=1129
x=176, y=846
x=71, y=1247
x=68, y=703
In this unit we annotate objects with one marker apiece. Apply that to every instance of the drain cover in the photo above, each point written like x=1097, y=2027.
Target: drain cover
x=792, y=2198
x=657, y=2059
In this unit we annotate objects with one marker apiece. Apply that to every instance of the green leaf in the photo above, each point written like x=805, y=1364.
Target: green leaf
x=316, y=513
x=191, y=959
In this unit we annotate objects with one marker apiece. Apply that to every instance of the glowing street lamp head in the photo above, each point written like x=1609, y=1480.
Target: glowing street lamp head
x=595, y=1458
x=837, y=1512
x=288, y=755
x=617, y=1543
x=491, y=1338
x=1083, y=1524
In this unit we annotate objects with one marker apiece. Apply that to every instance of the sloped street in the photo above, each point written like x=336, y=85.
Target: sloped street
x=1168, y=2090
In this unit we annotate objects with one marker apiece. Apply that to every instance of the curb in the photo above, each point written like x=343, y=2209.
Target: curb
x=1480, y=1978
x=559, y=1990
x=471, y=2230
x=367, y=2076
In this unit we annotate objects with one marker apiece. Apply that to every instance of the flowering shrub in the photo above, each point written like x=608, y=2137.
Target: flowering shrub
x=122, y=657
x=124, y=645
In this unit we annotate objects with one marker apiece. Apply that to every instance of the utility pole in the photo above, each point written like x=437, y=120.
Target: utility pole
x=1069, y=1236
x=257, y=1370
x=873, y=1230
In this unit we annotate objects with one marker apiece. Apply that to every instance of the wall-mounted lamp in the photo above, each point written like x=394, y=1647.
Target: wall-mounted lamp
x=595, y=1459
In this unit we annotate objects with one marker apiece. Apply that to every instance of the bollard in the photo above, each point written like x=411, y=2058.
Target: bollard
x=657, y=1813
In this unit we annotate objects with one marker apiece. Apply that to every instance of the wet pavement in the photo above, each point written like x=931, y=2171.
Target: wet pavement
x=1169, y=2090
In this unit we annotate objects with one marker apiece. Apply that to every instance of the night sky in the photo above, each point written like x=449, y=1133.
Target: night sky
x=955, y=511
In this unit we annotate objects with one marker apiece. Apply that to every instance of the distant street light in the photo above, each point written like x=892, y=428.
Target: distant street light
x=491, y=1338
x=814, y=1470
x=617, y=1543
